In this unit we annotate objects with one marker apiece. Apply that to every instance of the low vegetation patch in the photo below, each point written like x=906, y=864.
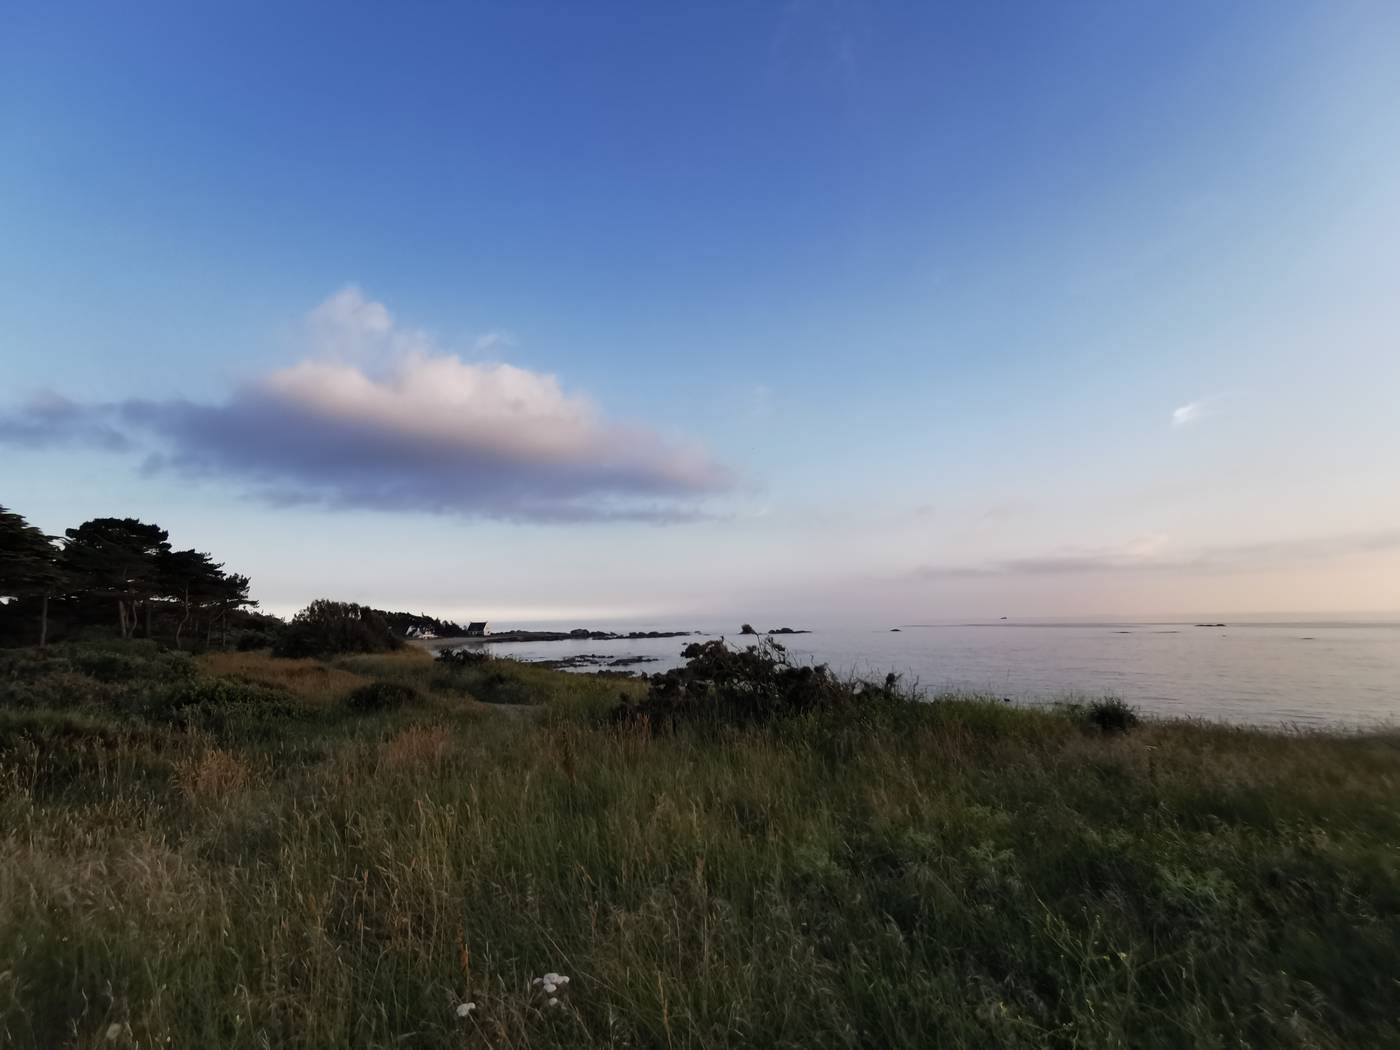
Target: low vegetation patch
x=194, y=857
x=382, y=696
x=306, y=678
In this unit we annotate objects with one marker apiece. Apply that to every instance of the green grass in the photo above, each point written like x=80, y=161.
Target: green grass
x=254, y=874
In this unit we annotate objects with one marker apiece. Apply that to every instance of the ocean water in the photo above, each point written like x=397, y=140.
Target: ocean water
x=1260, y=673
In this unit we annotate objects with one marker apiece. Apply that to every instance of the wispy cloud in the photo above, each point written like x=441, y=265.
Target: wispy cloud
x=1157, y=554
x=1191, y=412
x=381, y=417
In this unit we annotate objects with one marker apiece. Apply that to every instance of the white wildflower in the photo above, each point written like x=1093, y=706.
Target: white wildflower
x=465, y=1009
x=551, y=978
x=554, y=1002
x=550, y=989
x=563, y=979
x=114, y=1031
x=537, y=981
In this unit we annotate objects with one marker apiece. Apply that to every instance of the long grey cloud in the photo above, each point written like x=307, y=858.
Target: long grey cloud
x=1207, y=560
x=429, y=432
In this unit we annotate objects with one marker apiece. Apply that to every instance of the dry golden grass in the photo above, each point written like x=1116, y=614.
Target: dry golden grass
x=212, y=776
x=417, y=747
x=308, y=679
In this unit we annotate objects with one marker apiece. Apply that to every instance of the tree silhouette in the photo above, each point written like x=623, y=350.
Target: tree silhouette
x=191, y=578
x=118, y=558
x=29, y=565
x=230, y=594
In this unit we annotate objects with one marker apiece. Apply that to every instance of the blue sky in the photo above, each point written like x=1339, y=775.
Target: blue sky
x=808, y=310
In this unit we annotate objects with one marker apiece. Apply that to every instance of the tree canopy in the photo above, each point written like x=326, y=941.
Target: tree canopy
x=121, y=565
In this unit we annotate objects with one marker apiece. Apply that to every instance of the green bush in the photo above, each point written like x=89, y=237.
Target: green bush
x=222, y=706
x=58, y=690
x=382, y=696
x=147, y=663
x=84, y=674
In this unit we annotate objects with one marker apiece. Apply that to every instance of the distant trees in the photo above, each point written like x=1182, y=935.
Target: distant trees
x=123, y=562
x=29, y=565
x=325, y=627
x=406, y=625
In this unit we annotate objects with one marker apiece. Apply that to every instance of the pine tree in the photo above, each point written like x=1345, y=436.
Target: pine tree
x=29, y=565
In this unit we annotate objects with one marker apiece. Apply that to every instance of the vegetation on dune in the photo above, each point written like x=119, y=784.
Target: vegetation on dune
x=326, y=628
x=226, y=852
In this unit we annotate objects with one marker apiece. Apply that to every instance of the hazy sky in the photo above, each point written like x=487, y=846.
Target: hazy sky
x=817, y=312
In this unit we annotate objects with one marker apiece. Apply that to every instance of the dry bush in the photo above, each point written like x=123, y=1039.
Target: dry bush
x=213, y=775
x=416, y=747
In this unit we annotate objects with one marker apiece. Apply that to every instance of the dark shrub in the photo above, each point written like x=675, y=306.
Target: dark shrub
x=748, y=686
x=1111, y=715
x=326, y=628
x=27, y=665
x=465, y=657
x=382, y=696
x=497, y=687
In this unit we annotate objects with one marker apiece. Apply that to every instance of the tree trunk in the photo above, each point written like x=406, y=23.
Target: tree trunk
x=121, y=616
x=147, y=604
x=184, y=619
x=223, y=631
x=44, y=622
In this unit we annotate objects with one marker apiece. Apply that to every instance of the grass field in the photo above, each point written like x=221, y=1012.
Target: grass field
x=246, y=852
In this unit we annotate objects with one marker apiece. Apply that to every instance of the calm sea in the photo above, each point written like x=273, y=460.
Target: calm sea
x=1312, y=674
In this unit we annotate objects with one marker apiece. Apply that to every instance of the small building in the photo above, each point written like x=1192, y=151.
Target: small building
x=476, y=629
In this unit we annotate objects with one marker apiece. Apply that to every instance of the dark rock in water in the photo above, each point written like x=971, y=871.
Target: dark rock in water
x=579, y=634
x=894, y=630
x=787, y=630
x=1212, y=625
x=593, y=660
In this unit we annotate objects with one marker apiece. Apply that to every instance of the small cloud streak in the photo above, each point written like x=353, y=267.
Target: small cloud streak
x=1189, y=413
x=428, y=431
x=1156, y=554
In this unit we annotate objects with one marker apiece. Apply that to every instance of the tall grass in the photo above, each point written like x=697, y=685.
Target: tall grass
x=961, y=874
